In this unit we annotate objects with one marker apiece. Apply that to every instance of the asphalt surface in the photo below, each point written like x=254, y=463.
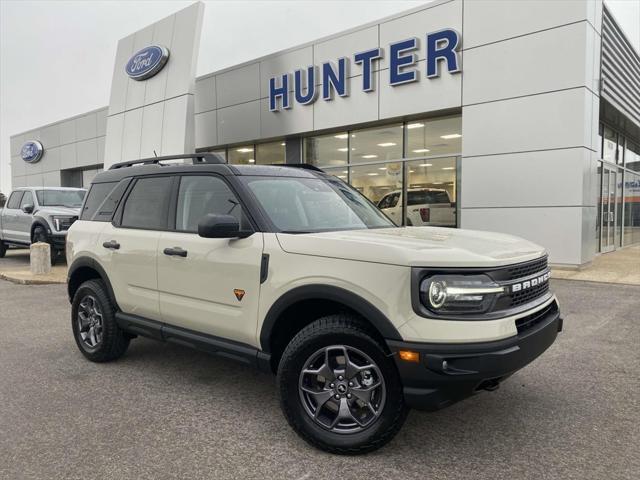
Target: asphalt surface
x=164, y=411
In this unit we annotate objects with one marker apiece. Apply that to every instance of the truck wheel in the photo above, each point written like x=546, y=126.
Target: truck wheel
x=3, y=249
x=338, y=388
x=40, y=235
x=93, y=321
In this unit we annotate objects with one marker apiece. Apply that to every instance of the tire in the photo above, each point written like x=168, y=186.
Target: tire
x=3, y=249
x=108, y=341
x=309, y=403
x=40, y=235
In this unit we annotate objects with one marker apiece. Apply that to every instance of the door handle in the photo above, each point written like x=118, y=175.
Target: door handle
x=175, y=252
x=113, y=245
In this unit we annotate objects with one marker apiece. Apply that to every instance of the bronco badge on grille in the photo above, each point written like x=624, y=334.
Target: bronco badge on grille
x=534, y=282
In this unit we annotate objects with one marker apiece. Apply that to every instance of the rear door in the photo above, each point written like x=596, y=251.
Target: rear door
x=213, y=286
x=10, y=217
x=131, y=243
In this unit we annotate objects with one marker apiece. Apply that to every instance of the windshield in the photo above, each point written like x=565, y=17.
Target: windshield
x=60, y=198
x=301, y=205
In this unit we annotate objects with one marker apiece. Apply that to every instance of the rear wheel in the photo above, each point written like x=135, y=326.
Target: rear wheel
x=93, y=321
x=3, y=249
x=339, y=389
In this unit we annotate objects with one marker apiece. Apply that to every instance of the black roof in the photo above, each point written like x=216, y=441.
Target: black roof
x=153, y=166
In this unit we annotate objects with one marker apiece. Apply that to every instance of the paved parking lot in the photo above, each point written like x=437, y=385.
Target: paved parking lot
x=164, y=411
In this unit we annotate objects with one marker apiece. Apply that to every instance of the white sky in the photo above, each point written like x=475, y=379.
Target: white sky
x=56, y=57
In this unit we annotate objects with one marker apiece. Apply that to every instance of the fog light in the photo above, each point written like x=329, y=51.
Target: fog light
x=409, y=356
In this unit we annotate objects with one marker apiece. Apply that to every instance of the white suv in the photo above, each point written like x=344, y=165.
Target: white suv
x=295, y=272
x=425, y=206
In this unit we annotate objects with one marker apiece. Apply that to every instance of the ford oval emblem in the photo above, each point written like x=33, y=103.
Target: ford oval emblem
x=147, y=62
x=32, y=151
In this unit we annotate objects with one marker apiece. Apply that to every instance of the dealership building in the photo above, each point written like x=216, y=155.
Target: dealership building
x=519, y=117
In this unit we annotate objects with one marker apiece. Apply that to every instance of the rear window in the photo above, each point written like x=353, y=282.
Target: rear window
x=423, y=197
x=14, y=200
x=102, y=201
x=147, y=205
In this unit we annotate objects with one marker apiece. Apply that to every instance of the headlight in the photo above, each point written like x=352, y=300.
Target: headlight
x=459, y=293
x=62, y=222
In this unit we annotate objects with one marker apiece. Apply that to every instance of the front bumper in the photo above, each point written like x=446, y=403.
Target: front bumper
x=447, y=373
x=58, y=240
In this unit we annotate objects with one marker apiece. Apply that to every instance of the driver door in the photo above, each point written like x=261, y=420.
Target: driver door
x=209, y=285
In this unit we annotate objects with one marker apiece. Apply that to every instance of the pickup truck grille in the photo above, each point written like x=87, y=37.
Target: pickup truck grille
x=65, y=223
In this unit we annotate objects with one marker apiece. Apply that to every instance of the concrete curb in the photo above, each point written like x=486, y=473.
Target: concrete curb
x=30, y=281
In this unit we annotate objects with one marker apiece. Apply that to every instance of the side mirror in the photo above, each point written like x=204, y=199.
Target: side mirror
x=27, y=208
x=221, y=226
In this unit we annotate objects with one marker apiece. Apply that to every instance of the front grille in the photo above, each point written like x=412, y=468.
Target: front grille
x=65, y=223
x=526, y=296
x=525, y=323
x=526, y=269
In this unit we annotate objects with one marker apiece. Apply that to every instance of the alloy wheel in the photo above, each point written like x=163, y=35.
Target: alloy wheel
x=90, y=323
x=342, y=389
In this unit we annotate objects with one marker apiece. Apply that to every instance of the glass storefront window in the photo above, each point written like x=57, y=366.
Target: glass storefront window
x=271, y=153
x=434, y=137
x=376, y=144
x=609, y=145
x=431, y=192
x=632, y=157
x=241, y=155
x=631, y=226
x=327, y=150
x=377, y=181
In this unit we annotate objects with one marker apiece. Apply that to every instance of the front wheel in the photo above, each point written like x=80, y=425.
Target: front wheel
x=339, y=389
x=40, y=235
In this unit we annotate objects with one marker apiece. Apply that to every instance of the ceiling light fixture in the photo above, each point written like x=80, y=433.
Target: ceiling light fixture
x=372, y=174
x=382, y=168
x=369, y=156
x=415, y=125
x=245, y=150
x=448, y=168
x=450, y=136
x=426, y=165
x=421, y=150
x=251, y=160
x=342, y=136
x=343, y=149
x=387, y=144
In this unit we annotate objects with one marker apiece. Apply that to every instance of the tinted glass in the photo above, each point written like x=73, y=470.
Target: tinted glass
x=376, y=144
x=27, y=199
x=14, y=200
x=102, y=201
x=243, y=155
x=148, y=204
x=271, y=153
x=427, y=196
x=199, y=196
x=299, y=205
x=60, y=198
x=327, y=150
x=434, y=137
x=389, y=201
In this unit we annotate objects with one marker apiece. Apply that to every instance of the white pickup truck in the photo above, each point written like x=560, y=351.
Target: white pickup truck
x=425, y=206
x=39, y=214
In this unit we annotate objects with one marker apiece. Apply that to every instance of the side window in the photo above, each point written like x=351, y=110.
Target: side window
x=102, y=200
x=384, y=203
x=147, y=206
x=14, y=199
x=201, y=195
x=27, y=199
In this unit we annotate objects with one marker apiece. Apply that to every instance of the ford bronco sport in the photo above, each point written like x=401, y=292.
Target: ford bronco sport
x=295, y=272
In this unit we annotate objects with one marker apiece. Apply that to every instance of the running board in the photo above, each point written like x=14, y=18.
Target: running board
x=211, y=344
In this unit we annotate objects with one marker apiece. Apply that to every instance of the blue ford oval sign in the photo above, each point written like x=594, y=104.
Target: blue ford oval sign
x=147, y=62
x=32, y=151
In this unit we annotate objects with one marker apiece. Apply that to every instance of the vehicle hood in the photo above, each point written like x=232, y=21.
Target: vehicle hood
x=56, y=210
x=415, y=246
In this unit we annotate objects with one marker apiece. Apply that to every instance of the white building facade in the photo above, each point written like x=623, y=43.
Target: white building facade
x=520, y=117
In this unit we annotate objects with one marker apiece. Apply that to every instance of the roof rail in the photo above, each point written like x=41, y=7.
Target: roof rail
x=304, y=166
x=198, y=158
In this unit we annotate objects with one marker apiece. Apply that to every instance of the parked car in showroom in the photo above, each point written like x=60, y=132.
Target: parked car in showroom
x=39, y=214
x=293, y=271
x=425, y=206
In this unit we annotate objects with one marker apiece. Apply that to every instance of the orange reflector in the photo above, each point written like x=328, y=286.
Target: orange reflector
x=409, y=356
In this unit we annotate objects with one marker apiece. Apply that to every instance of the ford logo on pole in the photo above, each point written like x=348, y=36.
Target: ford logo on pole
x=147, y=62
x=31, y=152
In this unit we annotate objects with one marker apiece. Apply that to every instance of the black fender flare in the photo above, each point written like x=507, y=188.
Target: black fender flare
x=87, y=262
x=326, y=292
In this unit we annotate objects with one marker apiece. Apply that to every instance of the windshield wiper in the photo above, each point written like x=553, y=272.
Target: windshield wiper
x=295, y=231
